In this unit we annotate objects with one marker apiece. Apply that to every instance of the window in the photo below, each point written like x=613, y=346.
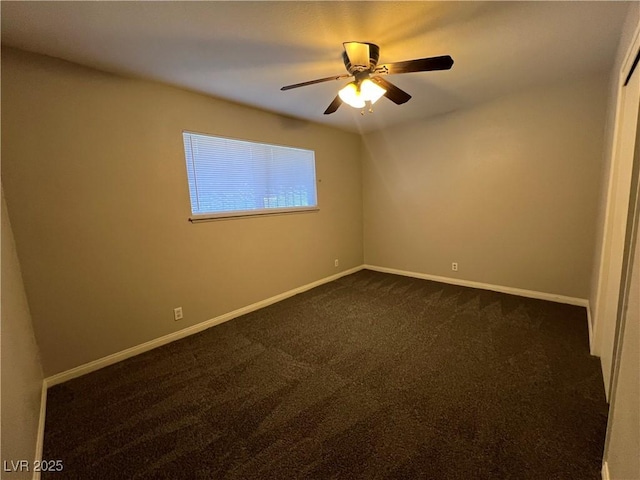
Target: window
x=230, y=178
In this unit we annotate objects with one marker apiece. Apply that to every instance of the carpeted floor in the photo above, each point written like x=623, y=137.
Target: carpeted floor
x=370, y=376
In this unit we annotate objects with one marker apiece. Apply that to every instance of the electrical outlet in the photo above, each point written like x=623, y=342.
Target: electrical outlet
x=177, y=313
x=336, y=262
x=454, y=266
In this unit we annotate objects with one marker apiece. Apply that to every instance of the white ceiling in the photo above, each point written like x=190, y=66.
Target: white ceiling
x=245, y=51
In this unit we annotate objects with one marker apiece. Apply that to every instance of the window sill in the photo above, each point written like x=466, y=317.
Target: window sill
x=246, y=214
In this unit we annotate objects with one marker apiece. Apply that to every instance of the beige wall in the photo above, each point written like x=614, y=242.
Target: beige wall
x=507, y=189
x=21, y=369
x=94, y=177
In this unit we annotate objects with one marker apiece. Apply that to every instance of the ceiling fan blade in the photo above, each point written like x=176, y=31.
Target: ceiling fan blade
x=313, y=82
x=395, y=94
x=334, y=105
x=444, y=62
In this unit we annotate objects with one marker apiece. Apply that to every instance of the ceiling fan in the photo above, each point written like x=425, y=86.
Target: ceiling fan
x=368, y=86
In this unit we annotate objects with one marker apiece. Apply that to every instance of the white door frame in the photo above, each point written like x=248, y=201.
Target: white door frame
x=628, y=298
x=617, y=209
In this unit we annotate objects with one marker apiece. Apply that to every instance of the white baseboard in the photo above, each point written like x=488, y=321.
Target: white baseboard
x=144, y=347
x=552, y=297
x=605, y=471
x=150, y=345
x=41, y=423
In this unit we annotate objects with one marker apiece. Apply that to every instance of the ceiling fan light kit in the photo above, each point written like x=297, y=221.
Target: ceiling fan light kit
x=350, y=95
x=358, y=94
x=368, y=86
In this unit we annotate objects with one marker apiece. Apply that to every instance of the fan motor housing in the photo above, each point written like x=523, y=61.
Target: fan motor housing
x=374, y=55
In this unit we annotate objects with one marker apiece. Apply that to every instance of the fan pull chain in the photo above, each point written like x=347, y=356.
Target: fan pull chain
x=370, y=109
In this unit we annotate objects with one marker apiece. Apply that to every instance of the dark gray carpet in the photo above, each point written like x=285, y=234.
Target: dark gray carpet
x=370, y=376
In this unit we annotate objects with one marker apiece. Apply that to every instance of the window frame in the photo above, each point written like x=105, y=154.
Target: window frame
x=237, y=214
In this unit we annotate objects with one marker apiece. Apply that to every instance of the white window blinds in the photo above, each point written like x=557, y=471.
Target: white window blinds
x=230, y=177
